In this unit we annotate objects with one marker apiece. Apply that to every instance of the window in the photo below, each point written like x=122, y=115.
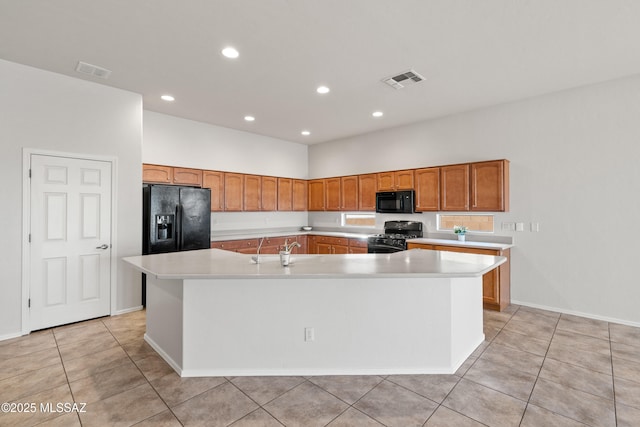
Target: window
x=359, y=220
x=476, y=223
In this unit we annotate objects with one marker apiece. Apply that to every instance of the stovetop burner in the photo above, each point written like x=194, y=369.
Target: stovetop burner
x=395, y=235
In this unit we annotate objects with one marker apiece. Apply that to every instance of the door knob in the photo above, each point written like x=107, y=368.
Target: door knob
x=105, y=246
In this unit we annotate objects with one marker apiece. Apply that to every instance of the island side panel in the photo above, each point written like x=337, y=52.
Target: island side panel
x=165, y=319
x=466, y=331
x=360, y=326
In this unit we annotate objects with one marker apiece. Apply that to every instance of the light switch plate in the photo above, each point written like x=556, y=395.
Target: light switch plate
x=520, y=226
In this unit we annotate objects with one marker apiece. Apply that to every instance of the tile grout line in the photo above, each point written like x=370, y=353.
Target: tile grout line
x=544, y=358
x=64, y=368
x=145, y=378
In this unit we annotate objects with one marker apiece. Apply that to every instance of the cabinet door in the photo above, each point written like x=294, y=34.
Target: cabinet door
x=323, y=248
x=349, y=193
x=489, y=186
x=339, y=249
x=332, y=194
x=214, y=181
x=285, y=194
x=184, y=176
x=454, y=188
x=427, y=189
x=299, y=198
x=233, y=191
x=404, y=180
x=252, y=192
x=157, y=174
x=367, y=186
x=269, y=193
x=316, y=195
x=386, y=181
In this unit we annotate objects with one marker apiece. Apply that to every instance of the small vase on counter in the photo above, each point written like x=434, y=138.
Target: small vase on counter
x=461, y=237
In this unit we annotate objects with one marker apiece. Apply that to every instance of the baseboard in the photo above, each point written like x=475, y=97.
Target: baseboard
x=10, y=336
x=127, y=310
x=176, y=367
x=577, y=313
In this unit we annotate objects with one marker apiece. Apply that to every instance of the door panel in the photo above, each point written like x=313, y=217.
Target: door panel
x=195, y=216
x=70, y=255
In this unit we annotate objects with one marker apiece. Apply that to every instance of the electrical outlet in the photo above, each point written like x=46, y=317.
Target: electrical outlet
x=535, y=227
x=509, y=226
x=309, y=334
x=520, y=226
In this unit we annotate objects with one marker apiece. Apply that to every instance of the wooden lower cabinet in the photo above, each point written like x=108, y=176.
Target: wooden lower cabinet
x=270, y=245
x=496, y=284
x=358, y=246
x=328, y=245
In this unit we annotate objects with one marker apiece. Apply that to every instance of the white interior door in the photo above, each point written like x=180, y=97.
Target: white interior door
x=70, y=249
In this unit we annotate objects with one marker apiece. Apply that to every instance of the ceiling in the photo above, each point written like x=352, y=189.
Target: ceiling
x=471, y=53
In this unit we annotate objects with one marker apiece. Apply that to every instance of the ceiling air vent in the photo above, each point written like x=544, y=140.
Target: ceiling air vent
x=93, y=70
x=403, y=79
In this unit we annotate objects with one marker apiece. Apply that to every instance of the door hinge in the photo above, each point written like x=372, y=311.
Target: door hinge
x=29, y=237
x=29, y=173
x=29, y=304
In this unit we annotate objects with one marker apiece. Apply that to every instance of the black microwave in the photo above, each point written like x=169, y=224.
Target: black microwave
x=395, y=201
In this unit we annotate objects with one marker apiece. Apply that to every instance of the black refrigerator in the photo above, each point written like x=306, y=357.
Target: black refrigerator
x=174, y=219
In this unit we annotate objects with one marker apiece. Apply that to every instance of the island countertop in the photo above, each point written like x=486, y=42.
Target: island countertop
x=220, y=264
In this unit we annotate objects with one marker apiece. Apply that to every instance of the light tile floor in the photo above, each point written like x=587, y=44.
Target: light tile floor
x=536, y=368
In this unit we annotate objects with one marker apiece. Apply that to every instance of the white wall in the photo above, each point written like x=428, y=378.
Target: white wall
x=48, y=111
x=573, y=169
x=174, y=141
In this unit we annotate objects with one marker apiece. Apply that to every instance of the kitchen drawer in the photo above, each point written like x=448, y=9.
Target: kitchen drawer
x=234, y=245
x=332, y=240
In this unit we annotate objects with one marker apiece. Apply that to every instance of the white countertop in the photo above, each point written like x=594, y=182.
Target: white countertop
x=465, y=244
x=220, y=264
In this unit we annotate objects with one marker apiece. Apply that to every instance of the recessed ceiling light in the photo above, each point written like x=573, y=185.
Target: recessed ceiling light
x=167, y=98
x=305, y=133
x=230, y=52
x=249, y=118
x=377, y=114
x=322, y=89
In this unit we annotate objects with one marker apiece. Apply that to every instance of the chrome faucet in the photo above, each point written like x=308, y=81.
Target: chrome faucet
x=256, y=258
x=287, y=248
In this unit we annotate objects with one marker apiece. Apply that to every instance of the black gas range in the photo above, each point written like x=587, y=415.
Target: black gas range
x=395, y=237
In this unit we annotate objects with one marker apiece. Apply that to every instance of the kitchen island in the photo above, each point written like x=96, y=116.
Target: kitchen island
x=217, y=313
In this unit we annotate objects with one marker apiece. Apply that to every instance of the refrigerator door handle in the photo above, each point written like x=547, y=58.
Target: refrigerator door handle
x=179, y=242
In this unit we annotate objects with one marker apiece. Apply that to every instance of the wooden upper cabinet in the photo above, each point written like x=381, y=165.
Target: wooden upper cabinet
x=349, y=193
x=395, y=180
x=299, y=196
x=427, y=189
x=252, y=192
x=269, y=193
x=490, y=186
x=285, y=194
x=184, y=176
x=367, y=187
x=332, y=194
x=233, y=191
x=215, y=181
x=157, y=174
x=386, y=181
x=454, y=188
x=316, y=195
x=405, y=180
